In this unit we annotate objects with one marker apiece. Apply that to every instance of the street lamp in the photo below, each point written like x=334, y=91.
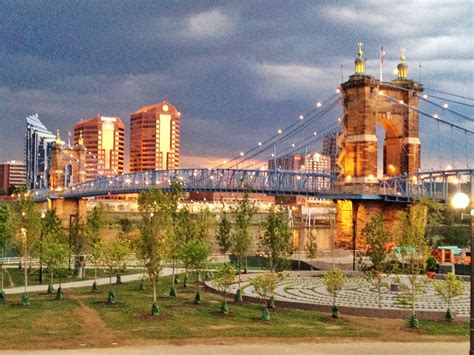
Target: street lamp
x=461, y=201
x=43, y=215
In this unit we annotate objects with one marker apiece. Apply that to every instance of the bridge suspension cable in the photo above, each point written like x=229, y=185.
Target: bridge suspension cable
x=426, y=99
x=448, y=93
x=282, y=135
x=304, y=143
x=435, y=116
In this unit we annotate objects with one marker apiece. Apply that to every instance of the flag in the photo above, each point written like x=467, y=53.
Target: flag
x=382, y=54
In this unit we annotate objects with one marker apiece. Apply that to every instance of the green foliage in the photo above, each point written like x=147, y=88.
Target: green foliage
x=414, y=245
x=265, y=285
x=55, y=253
x=203, y=224
x=431, y=263
x=449, y=288
x=25, y=221
x=194, y=255
x=224, y=277
x=376, y=237
x=275, y=242
x=223, y=233
x=241, y=238
x=334, y=281
x=113, y=254
x=5, y=227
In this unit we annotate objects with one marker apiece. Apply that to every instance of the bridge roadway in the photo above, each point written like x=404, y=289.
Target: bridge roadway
x=431, y=184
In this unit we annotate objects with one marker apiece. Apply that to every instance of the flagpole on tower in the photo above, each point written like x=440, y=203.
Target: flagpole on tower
x=382, y=54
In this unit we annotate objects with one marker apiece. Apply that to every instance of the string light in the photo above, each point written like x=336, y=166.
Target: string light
x=301, y=117
x=338, y=91
x=319, y=104
x=445, y=106
x=280, y=131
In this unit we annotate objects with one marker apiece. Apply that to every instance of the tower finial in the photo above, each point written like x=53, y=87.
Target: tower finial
x=359, y=52
x=359, y=62
x=58, y=138
x=402, y=58
x=402, y=67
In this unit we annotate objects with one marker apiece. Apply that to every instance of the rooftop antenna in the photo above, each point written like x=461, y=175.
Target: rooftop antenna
x=342, y=74
x=419, y=73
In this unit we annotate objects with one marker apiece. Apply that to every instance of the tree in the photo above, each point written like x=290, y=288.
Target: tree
x=78, y=246
x=194, y=256
x=275, y=243
x=376, y=237
x=181, y=232
x=414, y=248
x=5, y=239
x=154, y=227
x=113, y=257
x=264, y=286
x=451, y=287
x=95, y=223
x=51, y=231
x=223, y=278
x=55, y=256
x=241, y=239
x=223, y=233
x=26, y=224
x=334, y=281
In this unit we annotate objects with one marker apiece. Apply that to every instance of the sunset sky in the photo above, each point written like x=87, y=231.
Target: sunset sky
x=237, y=70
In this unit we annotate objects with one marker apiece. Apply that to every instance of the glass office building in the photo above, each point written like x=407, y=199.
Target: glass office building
x=38, y=144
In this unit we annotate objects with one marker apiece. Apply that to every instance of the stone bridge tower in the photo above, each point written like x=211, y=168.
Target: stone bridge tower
x=68, y=167
x=367, y=103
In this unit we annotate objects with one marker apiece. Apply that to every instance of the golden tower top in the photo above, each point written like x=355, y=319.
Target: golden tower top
x=402, y=66
x=359, y=62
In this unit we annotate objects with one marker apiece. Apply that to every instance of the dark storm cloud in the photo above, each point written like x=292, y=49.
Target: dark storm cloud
x=245, y=67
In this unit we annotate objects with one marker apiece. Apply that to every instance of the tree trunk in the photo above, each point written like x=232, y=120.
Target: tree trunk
x=1, y=268
x=95, y=273
x=173, y=277
x=379, y=288
x=154, y=289
x=25, y=267
x=334, y=301
x=240, y=271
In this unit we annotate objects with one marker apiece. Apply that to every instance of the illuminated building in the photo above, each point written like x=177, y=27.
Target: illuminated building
x=104, y=139
x=38, y=144
x=154, y=138
x=331, y=149
x=12, y=175
x=313, y=162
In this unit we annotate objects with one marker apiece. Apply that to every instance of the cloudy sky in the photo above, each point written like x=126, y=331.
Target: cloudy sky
x=236, y=70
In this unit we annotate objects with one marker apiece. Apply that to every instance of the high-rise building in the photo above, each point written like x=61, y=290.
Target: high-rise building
x=313, y=162
x=287, y=162
x=154, y=138
x=12, y=175
x=38, y=144
x=104, y=139
x=332, y=150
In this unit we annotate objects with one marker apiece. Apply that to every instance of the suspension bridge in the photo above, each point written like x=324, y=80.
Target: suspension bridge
x=377, y=173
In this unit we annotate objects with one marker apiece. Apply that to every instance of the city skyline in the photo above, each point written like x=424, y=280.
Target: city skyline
x=237, y=70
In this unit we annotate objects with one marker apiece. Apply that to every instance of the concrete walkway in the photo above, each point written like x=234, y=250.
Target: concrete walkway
x=85, y=283
x=353, y=348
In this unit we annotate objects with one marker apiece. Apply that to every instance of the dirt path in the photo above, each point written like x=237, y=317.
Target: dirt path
x=96, y=333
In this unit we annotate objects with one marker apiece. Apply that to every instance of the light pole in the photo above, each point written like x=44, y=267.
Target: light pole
x=461, y=201
x=43, y=215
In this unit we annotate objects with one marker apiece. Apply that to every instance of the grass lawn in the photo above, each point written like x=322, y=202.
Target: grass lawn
x=85, y=319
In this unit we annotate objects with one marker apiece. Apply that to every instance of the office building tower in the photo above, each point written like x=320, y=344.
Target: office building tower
x=154, y=138
x=104, y=139
x=332, y=150
x=38, y=144
x=12, y=175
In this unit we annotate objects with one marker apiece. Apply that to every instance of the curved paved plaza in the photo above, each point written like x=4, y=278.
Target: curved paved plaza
x=359, y=292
